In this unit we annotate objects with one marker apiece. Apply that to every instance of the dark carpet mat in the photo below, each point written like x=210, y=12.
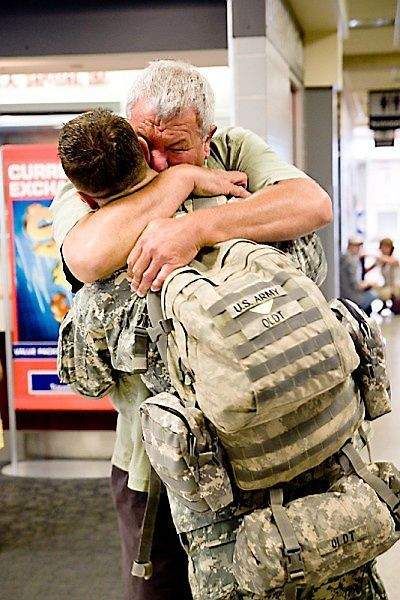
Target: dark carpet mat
x=58, y=540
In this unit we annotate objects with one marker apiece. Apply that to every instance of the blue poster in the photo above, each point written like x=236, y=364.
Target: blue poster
x=43, y=295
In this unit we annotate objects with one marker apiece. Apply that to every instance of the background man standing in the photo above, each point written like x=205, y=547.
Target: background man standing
x=351, y=284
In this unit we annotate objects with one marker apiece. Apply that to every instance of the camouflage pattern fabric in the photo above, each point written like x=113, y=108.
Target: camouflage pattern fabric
x=316, y=480
x=83, y=361
x=96, y=344
x=106, y=349
x=156, y=378
x=337, y=531
x=181, y=451
x=210, y=551
x=308, y=255
x=371, y=375
x=210, y=548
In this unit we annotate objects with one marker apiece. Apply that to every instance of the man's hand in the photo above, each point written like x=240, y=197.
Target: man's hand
x=164, y=245
x=388, y=260
x=215, y=182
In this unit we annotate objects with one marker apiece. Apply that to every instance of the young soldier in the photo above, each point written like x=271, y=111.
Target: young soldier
x=105, y=160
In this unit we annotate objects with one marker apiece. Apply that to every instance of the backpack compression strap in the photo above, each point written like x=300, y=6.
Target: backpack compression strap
x=376, y=483
x=291, y=548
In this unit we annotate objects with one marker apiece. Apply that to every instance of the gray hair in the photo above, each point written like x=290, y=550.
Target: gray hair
x=172, y=86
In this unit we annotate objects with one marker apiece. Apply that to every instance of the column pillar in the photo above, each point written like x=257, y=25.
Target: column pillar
x=323, y=61
x=322, y=164
x=247, y=62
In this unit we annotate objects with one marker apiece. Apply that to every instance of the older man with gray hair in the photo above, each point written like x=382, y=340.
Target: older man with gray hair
x=171, y=107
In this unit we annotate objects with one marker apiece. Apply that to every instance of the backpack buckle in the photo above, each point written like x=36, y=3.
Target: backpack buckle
x=294, y=563
x=166, y=326
x=163, y=327
x=192, y=445
x=396, y=513
x=193, y=458
x=184, y=375
x=142, y=570
x=140, y=350
x=141, y=332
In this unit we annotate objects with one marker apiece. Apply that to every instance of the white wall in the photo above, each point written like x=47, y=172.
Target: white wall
x=350, y=200
x=263, y=68
x=376, y=187
x=279, y=122
x=383, y=199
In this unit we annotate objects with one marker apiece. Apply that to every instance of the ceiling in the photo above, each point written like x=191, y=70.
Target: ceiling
x=371, y=59
x=310, y=16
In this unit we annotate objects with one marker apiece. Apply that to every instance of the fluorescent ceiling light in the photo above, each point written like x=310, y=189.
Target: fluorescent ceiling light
x=370, y=23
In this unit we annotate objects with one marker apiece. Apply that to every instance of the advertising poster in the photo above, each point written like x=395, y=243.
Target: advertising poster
x=40, y=295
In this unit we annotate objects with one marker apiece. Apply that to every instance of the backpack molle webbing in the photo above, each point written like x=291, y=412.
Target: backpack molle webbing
x=256, y=345
x=261, y=457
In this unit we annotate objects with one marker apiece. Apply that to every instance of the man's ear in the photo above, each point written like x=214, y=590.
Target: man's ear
x=207, y=140
x=145, y=149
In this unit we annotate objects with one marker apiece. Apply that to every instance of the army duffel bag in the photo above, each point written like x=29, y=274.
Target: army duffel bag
x=250, y=339
x=314, y=539
x=184, y=453
x=371, y=375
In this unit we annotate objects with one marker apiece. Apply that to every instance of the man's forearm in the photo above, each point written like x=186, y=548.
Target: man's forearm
x=281, y=212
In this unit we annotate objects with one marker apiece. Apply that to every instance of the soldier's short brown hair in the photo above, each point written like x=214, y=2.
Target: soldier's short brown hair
x=100, y=152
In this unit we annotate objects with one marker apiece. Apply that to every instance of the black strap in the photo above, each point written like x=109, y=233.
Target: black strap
x=72, y=280
x=160, y=327
x=142, y=566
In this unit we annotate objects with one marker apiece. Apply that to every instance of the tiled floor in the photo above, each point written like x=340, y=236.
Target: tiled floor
x=58, y=540
x=386, y=445
x=37, y=563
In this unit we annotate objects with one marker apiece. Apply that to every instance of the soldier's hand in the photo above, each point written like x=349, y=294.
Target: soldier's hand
x=164, y=245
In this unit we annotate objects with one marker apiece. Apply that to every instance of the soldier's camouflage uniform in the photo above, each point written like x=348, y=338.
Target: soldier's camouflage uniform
x=96, y=352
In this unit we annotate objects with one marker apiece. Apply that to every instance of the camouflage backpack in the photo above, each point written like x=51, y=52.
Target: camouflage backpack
x=250, y=339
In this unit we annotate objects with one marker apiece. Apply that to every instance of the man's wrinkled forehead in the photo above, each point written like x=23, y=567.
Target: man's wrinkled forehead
x=145, y=116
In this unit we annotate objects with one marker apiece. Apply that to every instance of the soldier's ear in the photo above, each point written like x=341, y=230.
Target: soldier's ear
x=145, y=149
x=207, y=140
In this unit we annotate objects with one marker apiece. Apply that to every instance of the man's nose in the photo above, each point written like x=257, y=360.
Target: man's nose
x=158, y=161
